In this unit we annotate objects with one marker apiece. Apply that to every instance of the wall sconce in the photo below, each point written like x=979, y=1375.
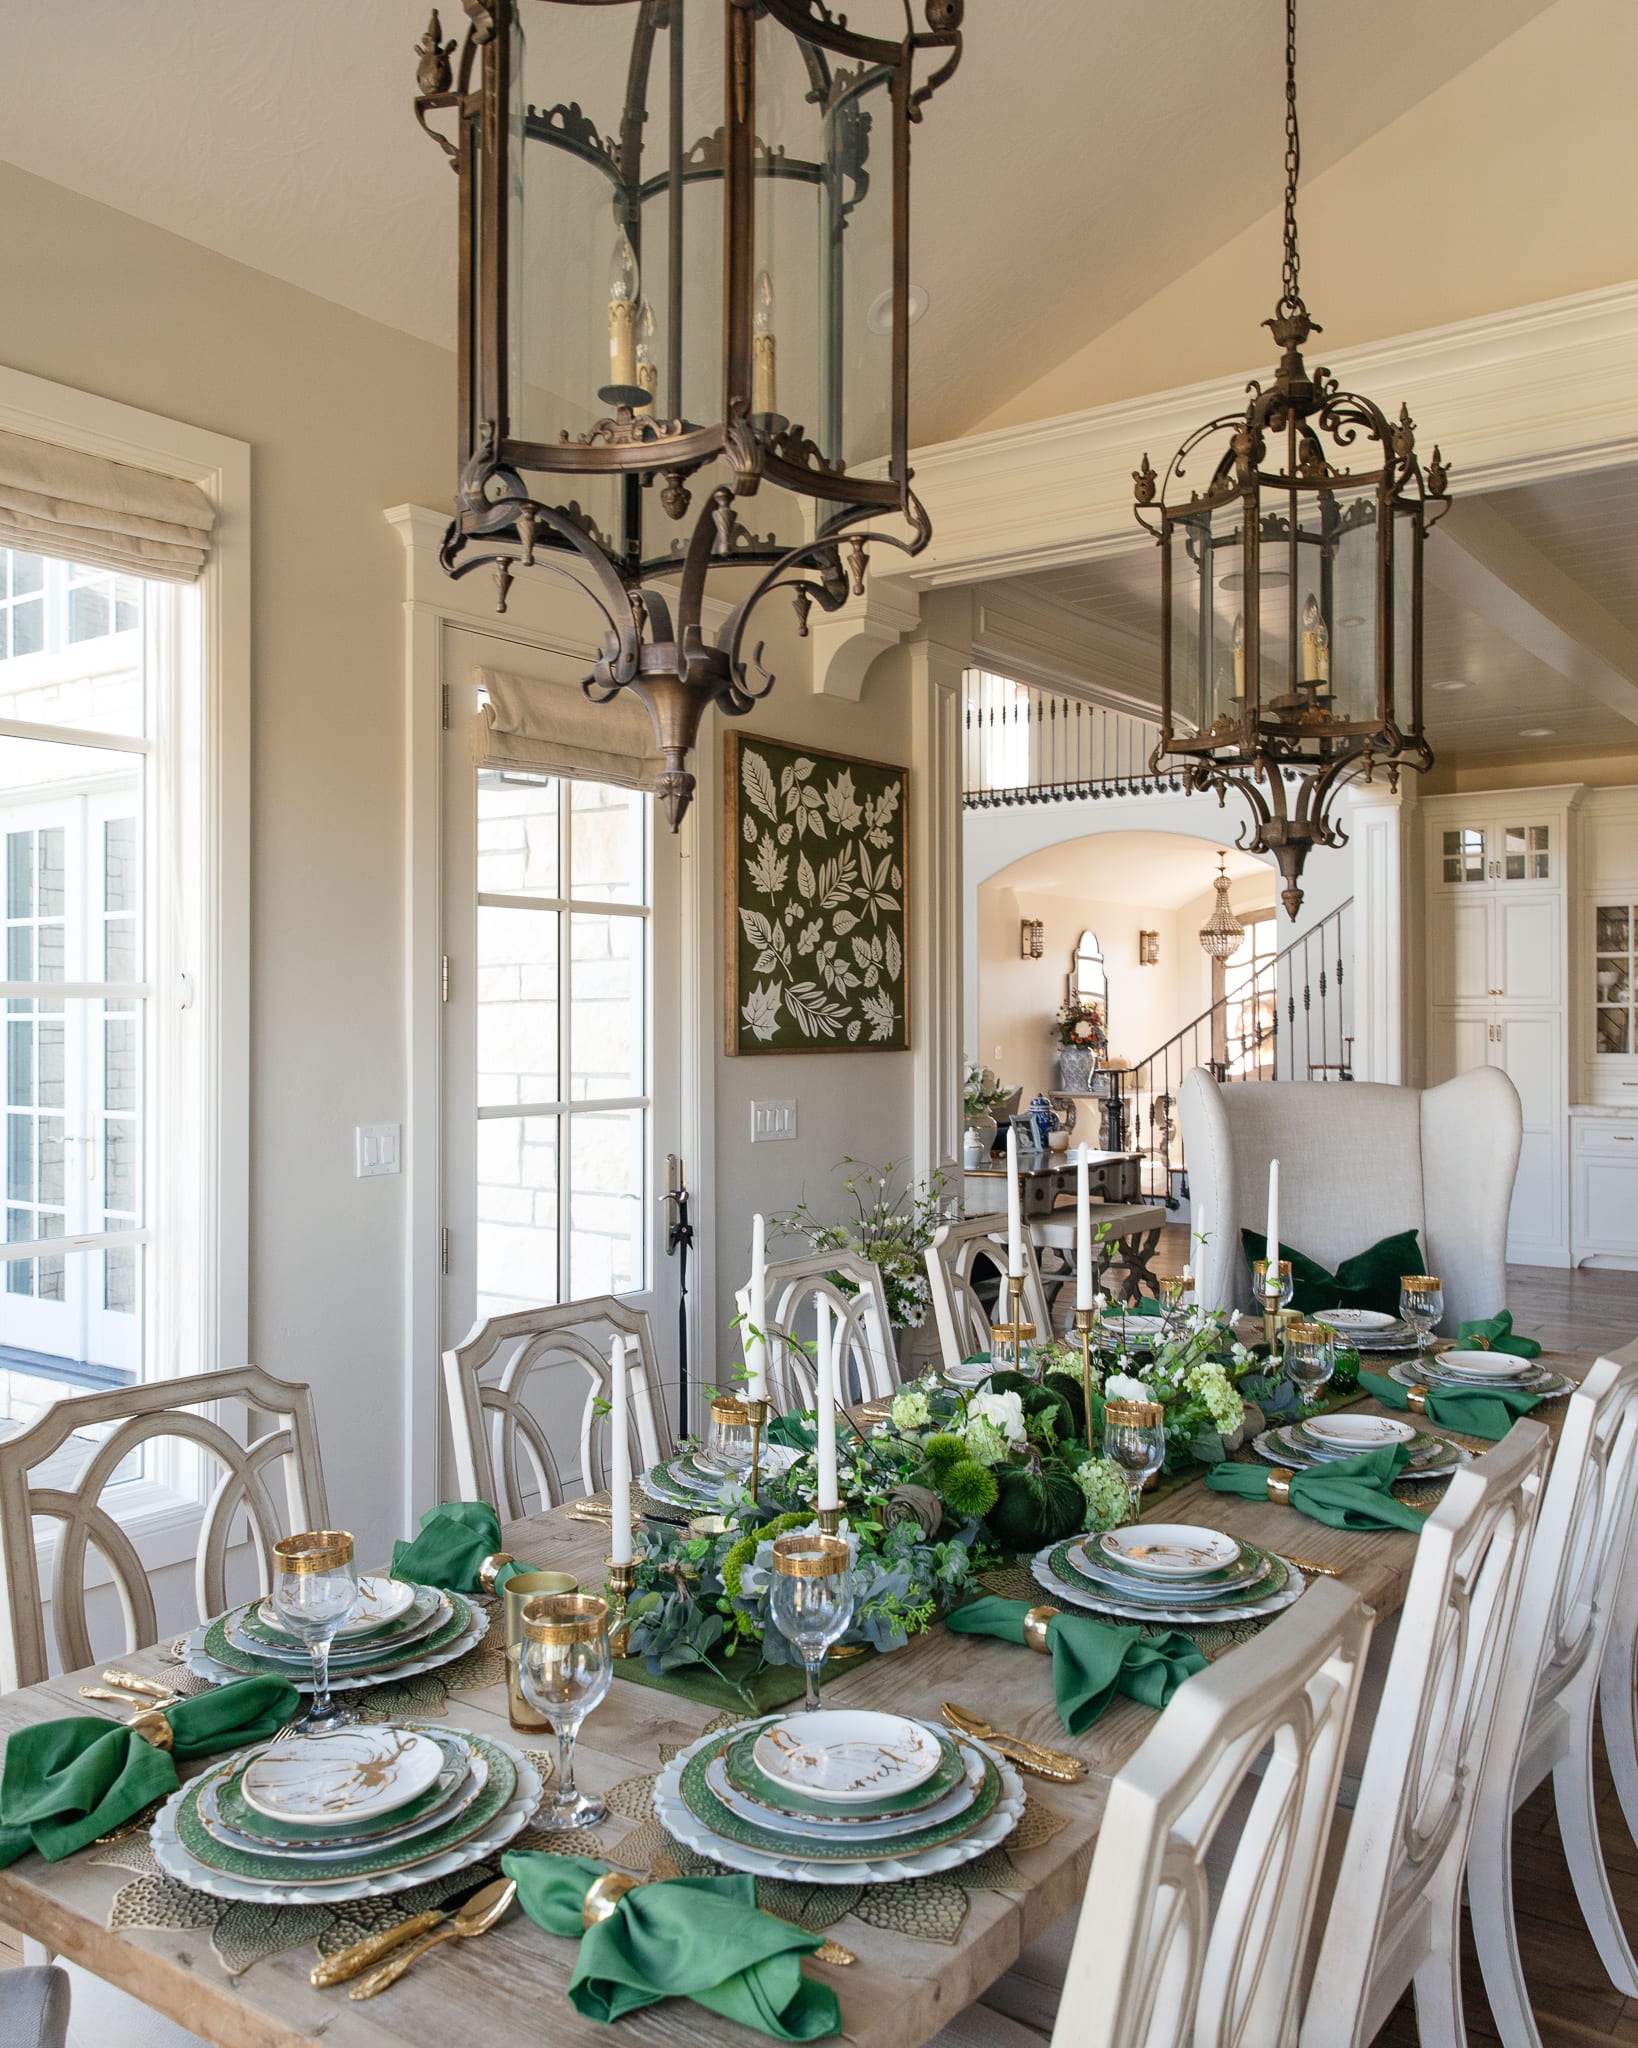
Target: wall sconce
x=1031, y=938
x=1148, y=949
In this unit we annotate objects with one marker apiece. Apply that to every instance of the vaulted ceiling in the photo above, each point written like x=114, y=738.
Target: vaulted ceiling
x=1086, y=153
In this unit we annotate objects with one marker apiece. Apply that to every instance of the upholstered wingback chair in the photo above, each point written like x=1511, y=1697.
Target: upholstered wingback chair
x=1358, y=1161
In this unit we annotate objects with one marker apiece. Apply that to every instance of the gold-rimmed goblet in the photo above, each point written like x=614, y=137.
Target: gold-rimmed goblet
x=729, y=1442
x=1421, y=1304
x=565, y=1668
x=1310, y=1357
x=1134, y=1442
x=1275, y=1284
x=810, y=1599
x=315, y=1590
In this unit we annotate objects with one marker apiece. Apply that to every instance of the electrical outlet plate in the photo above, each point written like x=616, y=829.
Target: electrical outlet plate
x=773, y=1120
x=377, y=1148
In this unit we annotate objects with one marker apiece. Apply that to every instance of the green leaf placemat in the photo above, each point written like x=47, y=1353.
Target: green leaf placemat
x=764, y=1686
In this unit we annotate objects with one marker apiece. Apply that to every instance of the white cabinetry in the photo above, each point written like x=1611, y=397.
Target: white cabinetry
x=1604, y=1008
x=1497, y=980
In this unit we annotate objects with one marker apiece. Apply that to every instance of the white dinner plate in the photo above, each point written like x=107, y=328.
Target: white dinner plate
x=1358, y=1432
x=841, y=1828
x=380, y=1600
x=1354, y=1319
x=347, y=1774
x=1181, y=1616
x=1170, y=1550
x=1486, y=1365
x=845, y=1755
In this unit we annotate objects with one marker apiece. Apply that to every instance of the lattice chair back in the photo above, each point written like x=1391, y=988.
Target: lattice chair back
x=275, y=1481
x=1153, y=1964
x=961, y=1318
x=1395, y=1917
x=493, y=1383
x=863, y=1324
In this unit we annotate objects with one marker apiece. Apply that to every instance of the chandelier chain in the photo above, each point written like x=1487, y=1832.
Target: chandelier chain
x=1291, y=297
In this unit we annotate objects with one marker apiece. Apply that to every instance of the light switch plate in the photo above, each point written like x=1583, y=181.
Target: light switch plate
x=377, y=1148
x=771, y=1120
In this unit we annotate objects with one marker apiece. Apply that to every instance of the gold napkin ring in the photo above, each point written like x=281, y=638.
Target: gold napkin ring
x=1279, y=1485
x=603, y=1896
x=1036, y=1623
x=153, y=1727
x=491, y=1567
x=1416, y=1399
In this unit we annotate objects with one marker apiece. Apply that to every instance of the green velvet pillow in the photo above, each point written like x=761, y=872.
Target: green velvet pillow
x=1370, y=1279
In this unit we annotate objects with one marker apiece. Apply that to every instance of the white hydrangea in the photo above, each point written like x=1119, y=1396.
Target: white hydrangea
x=1105, y=1491
x=1223, y=1402
x=985, y=1443
x=1121, y=1386
x=911, y=1409
x=1004, y=1412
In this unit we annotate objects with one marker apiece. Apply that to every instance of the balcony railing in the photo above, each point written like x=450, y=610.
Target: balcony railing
x=1022, y=745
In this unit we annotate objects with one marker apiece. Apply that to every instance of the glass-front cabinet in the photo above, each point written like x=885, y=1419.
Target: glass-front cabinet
x=1488, y=852
x=1615, y=956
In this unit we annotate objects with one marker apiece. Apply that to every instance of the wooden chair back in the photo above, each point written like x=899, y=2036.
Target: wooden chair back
x=1155, y=1963
x=1395, y=1915
x=962, y=1321
x=503, y=1448
x=853, y=1286
x=130, y=1418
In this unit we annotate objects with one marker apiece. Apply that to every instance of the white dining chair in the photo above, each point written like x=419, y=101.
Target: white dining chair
x=962, y=1321
x=269, y=1485
x=863, y=1325
x=1171, y=1948
x=511, y=1371
x=34, y=2007
x=1357, y=1164
x=1544, y=1724
x=1618, y=1691
x=1394, y=1908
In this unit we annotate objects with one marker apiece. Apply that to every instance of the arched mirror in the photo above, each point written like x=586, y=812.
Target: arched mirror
x=1088, y=976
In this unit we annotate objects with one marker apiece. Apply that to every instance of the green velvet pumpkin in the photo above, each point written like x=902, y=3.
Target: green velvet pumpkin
x=1033, y=1509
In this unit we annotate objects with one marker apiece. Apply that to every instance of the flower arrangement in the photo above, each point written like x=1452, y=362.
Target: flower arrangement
x=1194, y=1376
x=892, y=1227
x=981, y=1089
x=1081, y=1023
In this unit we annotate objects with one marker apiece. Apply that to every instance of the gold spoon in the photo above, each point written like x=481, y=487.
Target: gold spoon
x=477, y=1916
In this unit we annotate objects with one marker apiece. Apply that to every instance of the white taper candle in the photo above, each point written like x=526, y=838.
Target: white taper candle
x=1271, y=1248
x=619, y=1455
x=825, y=1407
x=1015, y=1212
x=1083, y=1228
x=756, y=1351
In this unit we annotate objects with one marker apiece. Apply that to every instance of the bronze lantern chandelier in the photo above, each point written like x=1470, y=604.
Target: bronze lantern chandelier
x=1291, y=586
x=684, y=300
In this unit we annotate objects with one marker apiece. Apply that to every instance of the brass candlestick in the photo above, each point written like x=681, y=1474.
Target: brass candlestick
x=756, y=1413
x=1271, y=1318
x=1083, y=1335
x=830, y=1521
x=622, y=1584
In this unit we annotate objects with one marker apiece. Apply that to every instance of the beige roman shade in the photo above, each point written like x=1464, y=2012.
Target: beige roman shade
x=553, y=726
x=84, y=508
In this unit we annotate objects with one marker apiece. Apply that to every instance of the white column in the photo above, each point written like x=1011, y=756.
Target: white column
x=1378, y=829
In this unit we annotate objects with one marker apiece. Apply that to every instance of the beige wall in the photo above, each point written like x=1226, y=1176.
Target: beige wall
x=1457, y=775
x=1508, y=185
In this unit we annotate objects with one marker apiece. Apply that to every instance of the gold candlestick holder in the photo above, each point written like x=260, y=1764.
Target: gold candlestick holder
x=756, y=1413
x=1083, y=1337
x=830, y=1521
x=622, y=1583
x=1271, y=1319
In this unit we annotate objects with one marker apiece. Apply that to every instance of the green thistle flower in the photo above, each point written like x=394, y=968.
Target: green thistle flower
x=941, y=1452
x=968, y=1489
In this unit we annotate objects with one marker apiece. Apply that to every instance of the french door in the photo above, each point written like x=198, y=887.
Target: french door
x=560, y=1080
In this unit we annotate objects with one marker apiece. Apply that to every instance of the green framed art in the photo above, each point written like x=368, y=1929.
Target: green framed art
x=814, y=862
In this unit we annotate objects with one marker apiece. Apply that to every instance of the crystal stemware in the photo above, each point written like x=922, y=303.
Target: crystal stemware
x=1174, y=1299
x=1134, y=1442
x=1310, y=1357
x=810, y=1599
x=315, y=1590
x=729, y=1441
x=1283, y=1277
x=565, y=1669
x=1421, y=1304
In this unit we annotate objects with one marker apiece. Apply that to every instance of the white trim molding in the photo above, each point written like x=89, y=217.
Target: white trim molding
x=1377, y=827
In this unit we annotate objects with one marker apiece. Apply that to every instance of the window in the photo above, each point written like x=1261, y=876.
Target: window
x=1246, y=987
x=563, y=1068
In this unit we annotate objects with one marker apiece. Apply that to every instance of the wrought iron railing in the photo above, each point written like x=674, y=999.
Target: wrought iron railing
x=1022, y=745
x=1289, y=1020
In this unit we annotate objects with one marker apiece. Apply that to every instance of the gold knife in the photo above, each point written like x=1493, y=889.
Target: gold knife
x=348, y=1962
x=130, y=1682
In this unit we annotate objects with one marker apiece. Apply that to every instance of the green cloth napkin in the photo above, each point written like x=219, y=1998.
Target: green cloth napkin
x=1091, y=1660
x=1495, y=1333
x=1370, y=1279
x=1145, y=1305
x=795, y=1432
x=1490, y=1414
x=702, y=1938
x=66, y=1782
x=454, y=1540
x=1352, y=1493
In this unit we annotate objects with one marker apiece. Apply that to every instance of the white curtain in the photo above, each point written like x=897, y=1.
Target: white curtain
x=84, y=508
x=553, y=726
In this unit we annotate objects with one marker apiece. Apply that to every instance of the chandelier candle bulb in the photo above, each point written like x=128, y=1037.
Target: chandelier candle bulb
x=619, y=1456
x=1015, y=1219
x=623, y=314
x=825, y=1404
x=764, y=376
x=1083, y=1229
x=1239, y=654
x=756, y=1350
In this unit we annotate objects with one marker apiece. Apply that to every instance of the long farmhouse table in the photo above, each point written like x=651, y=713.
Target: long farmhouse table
x=508, y=1986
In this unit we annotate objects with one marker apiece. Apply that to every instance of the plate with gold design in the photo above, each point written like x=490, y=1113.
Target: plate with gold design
x=844, y=1756
x=348, y=1774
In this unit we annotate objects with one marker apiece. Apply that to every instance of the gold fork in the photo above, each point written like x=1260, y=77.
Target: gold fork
x=1035, y=1757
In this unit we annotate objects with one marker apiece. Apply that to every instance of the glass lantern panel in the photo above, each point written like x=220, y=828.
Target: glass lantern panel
x=1277, y=571
x=598, y=235
x=822, y=305
x=1190, y=681
x=1341, y=645
x=1402, y=701
x=769, y=522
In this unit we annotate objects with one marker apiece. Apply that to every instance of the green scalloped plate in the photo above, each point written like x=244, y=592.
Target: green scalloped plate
x=753, y=1783
x=217, y=1646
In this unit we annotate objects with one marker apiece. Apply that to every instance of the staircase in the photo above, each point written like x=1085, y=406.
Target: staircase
x=1287, y=1022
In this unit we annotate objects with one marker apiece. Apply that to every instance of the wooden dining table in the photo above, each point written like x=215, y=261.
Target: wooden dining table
x=508, y=1986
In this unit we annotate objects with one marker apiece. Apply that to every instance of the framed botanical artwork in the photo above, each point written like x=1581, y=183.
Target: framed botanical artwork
x=813, y=856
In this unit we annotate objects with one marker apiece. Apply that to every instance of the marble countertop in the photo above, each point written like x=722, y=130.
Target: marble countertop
x=1615, y=1109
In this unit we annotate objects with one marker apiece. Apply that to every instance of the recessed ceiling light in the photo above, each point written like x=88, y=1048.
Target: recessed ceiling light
x=879, y=319
x=1455, y=683
x=1535, y=732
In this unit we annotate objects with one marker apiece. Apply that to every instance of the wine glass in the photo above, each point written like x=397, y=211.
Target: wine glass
x=810, y=1600
x=729, y=1443
x=1282, y=1276
x=1174, y=1292
x=1134, y=1442
x=315, y=1590
x=565, y=1669
x=1310, y=1357
x=1421, y=1304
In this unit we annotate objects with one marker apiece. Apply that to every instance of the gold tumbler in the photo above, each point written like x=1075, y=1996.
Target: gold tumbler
x=516, y=1594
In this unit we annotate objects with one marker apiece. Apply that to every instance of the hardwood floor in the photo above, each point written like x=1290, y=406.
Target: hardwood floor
x=1575, y=2005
